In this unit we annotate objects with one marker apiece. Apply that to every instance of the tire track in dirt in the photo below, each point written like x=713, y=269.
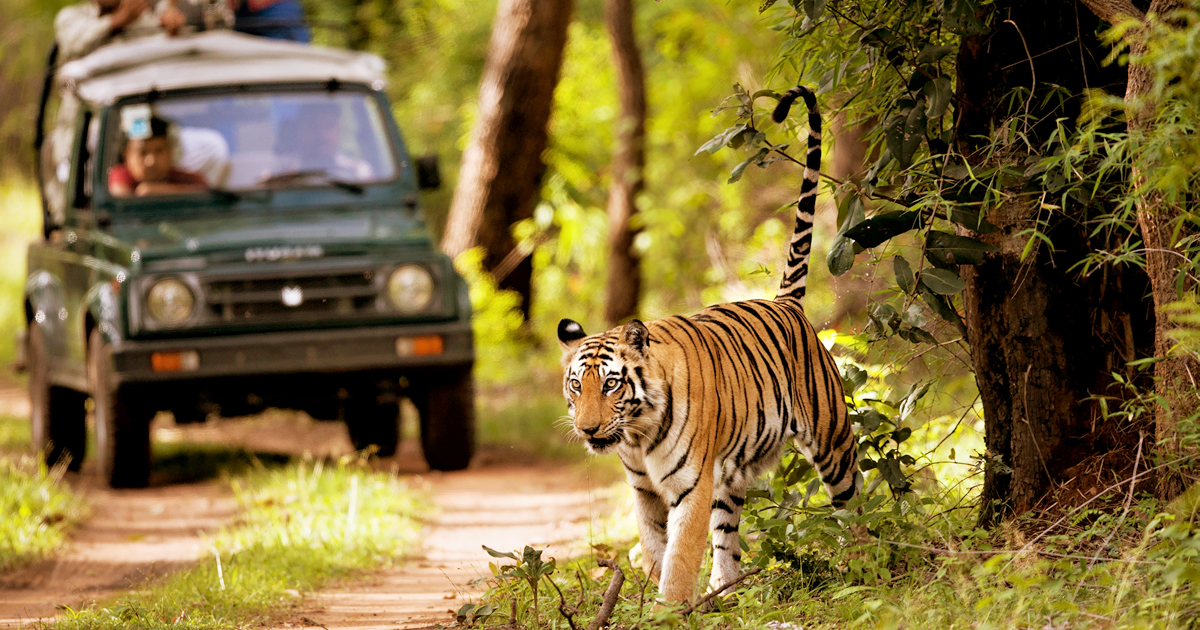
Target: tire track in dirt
x=133, y=535
x=504, y=508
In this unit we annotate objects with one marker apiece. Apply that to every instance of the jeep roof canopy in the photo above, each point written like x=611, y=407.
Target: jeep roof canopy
x=209, y=59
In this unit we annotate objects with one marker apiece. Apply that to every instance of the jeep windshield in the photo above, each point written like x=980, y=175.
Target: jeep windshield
x=248, y=141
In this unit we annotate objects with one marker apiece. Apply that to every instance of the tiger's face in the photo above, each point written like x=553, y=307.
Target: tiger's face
x=610, y=396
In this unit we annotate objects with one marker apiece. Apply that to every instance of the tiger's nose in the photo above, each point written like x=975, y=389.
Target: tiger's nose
x=589, y=430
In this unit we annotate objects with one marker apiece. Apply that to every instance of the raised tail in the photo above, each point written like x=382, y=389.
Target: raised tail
x=795, y=275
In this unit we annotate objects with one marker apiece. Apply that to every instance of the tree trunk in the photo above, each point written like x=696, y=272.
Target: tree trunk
x=502, y=167
x=628, y=165
x=1175, y=376
x=1038, y=355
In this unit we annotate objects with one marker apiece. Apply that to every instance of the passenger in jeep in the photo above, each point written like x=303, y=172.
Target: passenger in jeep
x=148, y=168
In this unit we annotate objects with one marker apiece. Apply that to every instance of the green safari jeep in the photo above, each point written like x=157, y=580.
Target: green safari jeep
x=240, y=229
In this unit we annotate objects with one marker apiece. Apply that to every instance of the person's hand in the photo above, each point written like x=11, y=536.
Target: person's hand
x=173, y=20
x=127, y=12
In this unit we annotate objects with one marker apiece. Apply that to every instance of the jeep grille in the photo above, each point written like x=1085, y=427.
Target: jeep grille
x=325, y=294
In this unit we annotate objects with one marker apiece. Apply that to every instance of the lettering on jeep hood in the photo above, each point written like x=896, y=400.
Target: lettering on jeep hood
x=258, y=254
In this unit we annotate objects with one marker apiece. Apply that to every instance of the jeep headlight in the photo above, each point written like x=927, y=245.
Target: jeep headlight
x=410, y=287
x=170, y=302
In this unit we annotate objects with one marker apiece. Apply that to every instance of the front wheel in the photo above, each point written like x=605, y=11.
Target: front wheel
x=447, y=408
x=122, y=422
x=58, y=419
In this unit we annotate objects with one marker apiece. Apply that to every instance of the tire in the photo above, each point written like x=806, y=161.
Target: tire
x=58, y=417
x=122, y=425
x=372, y=422
x=189, y=414
x=447, y=408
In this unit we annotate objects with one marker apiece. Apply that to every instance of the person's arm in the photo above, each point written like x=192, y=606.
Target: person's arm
x=171, y=18
x=79, y=29
x=180, y=182
x=120, y=181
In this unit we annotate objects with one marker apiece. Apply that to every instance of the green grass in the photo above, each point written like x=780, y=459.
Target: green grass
x=14, y=434
x=300, y=526
x=36, y=511
x=530, y=420
x=1094, y=570
x=21, y=217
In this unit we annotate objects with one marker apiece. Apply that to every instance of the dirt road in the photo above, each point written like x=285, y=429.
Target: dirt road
x=498, y=502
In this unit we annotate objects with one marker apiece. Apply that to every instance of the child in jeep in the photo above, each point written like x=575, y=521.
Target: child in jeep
x=147, y=166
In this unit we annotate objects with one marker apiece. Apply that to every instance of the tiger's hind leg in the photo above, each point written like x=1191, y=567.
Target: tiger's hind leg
x=728, y=499
x=838, y=467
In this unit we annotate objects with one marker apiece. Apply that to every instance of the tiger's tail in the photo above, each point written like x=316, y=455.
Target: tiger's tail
x=795, y=275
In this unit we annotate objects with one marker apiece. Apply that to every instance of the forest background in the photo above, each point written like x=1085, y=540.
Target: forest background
x=1007, y=271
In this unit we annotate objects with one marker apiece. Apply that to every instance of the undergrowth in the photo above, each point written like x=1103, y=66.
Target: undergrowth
x=36, y=510
x=892, y=562
x=300, y=526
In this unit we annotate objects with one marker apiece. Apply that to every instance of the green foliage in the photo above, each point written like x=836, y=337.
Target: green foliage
x=15, y=434
x=36, y=510
x=300, y=526
x=19, y=213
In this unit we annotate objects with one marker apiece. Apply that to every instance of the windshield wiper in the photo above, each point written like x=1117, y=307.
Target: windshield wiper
x=324, y=175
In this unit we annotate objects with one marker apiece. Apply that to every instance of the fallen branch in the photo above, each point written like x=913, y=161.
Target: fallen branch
x=610, y=595
x=704, y=600
x=562, y=606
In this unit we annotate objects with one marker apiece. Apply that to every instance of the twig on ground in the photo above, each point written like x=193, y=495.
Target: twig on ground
x=610, y=595
x=1125, y=512
x=996, y=552
x=1086, y=503
x=717, y=591
x=582, y=591
x=562, y=605
x=313, y=623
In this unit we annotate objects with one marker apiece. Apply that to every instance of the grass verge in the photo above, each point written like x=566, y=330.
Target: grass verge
x=300, y=526
x=1136, y=569
x=36, y=510
x=14, y=434
x=527, y=422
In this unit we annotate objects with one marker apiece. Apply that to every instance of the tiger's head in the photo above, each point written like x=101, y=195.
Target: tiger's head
x=612, y=394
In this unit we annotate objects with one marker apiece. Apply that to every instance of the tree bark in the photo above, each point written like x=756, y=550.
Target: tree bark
x=1038, y=355
x=628, y=165
x=502, y=167
x=1175, y=376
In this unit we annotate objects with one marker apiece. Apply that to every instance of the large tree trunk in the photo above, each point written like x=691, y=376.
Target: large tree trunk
x=1039, y=354
x=628, y=165
x=1175, y=376
x=502, y=167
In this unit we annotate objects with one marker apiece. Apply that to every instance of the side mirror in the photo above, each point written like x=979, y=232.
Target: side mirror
x=429, y=177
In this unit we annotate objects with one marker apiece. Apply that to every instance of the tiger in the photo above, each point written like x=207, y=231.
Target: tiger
x=697, y=406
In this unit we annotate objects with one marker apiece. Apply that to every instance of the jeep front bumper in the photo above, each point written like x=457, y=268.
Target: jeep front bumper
x=390, y=348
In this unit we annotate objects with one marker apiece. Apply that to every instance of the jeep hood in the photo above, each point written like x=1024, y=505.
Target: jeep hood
x=336, y=232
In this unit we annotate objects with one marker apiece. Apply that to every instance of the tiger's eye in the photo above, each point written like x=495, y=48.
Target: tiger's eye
x=574, y=383
x=611, y=383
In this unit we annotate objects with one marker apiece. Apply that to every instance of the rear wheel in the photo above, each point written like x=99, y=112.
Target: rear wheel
x=122, y=423
x=447, y=408
x=57, y=414
x=374, y=422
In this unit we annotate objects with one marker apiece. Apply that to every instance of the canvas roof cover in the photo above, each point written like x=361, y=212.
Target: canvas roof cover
x=210, y=59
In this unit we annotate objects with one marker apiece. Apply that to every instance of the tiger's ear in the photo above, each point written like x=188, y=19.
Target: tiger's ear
x=569, y=335
x=636, y=337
